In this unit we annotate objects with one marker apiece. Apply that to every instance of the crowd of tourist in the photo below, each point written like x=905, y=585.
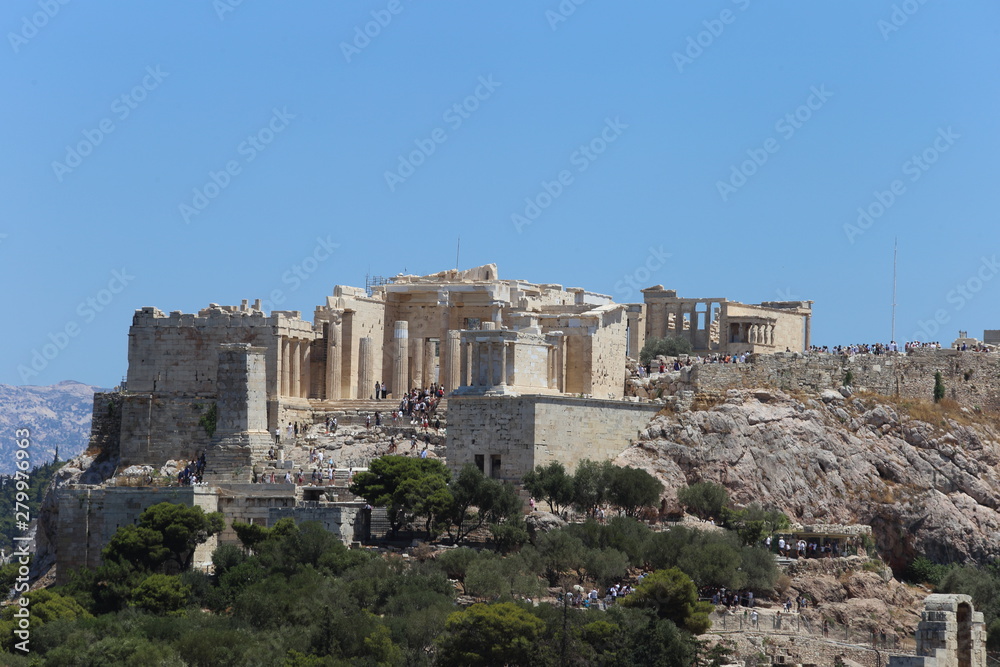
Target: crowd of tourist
x=581, y=598
x=891, y=348
x=193, y=472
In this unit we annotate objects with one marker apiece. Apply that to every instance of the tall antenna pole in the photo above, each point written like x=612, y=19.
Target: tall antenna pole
x=894, y=244
x=458, y=249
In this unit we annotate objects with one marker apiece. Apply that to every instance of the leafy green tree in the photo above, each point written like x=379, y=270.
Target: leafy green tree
x=605, y=566
x=408, y=487
x=552, y=484
x=560, y=553
x=494, y=502
x=753, y=523
x=670, y=346
x=161, y=594
x=509, y=535
x=632, y=489
x=180, y=529
x=251, y=534
x=760, y=570
x=704, y=499
x=938, y=387
x=497, y=634
x=137, y=545
x=45, y=606
x=591, y=482
x=674, y=597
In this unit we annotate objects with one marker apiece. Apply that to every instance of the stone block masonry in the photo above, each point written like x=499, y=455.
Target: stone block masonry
x=971, y=378
x=508, y=436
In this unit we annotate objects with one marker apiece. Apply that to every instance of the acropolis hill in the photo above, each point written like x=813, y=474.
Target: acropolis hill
x=531, y=373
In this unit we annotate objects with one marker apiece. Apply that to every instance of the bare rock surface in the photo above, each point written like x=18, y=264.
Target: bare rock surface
x=924, y=488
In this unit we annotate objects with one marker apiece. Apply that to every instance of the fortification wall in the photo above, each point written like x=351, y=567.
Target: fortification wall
x=88, y=518
x=106, y=424
x=179, y=354
x=972, y=378
x=155, y=429
x=525, y=431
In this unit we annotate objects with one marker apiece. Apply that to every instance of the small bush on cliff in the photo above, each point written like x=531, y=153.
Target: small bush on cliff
x=921, y=571
x=938, y=387
x=671, y=346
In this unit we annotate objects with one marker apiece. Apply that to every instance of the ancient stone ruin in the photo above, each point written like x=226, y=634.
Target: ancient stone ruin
x=951, y=633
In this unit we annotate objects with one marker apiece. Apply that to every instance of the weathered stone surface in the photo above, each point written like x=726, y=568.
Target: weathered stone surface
x=923, y=488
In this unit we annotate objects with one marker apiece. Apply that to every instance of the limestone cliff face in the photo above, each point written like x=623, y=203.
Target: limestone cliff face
x=924, y=488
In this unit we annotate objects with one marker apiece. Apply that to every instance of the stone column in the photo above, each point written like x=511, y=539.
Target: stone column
x=296, y=368
x=453, y=368
x=808, y=331
x=490, y=375
x=417, y=359
x=284, y=352
x=503, y=362
x=429, y=363
x=465, y=350
x=334, y=342
x=306, y=368
x=400, y=371
x=366, y=367
x=636, y=330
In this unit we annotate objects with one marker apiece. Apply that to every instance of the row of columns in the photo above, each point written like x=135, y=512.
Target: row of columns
x=477, y=367
x=295, y=367
x=659, y=319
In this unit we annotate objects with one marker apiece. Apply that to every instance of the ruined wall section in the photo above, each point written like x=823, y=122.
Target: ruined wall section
x=106, y=425
x=608, y=347
x=971, y=378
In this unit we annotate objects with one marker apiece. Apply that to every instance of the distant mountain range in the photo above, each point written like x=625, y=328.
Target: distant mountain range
x=57, y=416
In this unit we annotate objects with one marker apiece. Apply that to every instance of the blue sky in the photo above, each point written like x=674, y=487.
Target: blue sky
x=177, y=154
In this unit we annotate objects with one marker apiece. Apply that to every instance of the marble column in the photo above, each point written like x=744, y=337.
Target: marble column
x=400, y=361
x=306, y=386
x=451, y=377
x=366, y=367
x=417, y=361
x=296, y=368
x=284, y=351
x=429, y=365
x=334, y=342
x=503, y=362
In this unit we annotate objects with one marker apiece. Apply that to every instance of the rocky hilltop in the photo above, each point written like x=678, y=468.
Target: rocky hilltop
x=924, y=477
x=58, y=416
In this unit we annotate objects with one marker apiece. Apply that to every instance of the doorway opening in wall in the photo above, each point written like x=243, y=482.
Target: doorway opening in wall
x=495, y=466
x=964, y=618
x=472, y=323
x=481, y=463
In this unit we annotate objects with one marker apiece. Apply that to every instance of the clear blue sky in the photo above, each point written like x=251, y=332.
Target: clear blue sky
x=310, y=128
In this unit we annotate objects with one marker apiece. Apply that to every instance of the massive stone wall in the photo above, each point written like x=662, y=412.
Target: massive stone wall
x=88, y=517
x=972, y=378
x=511, y=435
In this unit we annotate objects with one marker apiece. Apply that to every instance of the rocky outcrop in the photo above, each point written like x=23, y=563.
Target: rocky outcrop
x=931, y=489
